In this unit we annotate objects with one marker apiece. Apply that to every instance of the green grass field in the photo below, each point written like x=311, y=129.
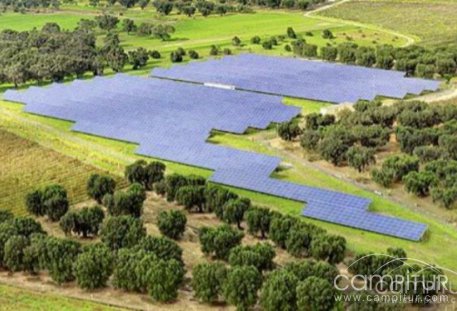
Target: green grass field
x=15, y=299
x=432, y=21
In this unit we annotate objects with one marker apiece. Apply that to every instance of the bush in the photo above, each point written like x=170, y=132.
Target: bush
x=94, y=266
x=172, y=223
x=155, y=54
x=291, y=33
x=236, y=41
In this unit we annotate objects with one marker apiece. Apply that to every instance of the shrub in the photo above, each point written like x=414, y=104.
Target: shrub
x=255, y=40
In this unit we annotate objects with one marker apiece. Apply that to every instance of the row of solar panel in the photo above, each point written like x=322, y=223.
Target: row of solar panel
x=172, y=121
x=299, y=78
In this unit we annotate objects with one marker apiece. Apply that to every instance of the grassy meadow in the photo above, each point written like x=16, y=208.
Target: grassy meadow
x=431, y=21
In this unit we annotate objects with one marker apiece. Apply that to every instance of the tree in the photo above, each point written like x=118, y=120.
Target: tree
x=54, y=202
x=279, y=291
x=172, y=223
x=258, y=220
x=26, y=226
x=83, y=222
x=309, y=139
x=419, y=183
x=122, y=231
x=236, y=41
x=59, y=257
x=335, y=143
x=138, y=58
x=5, y=216
x=143, y=3
x=14, y=252
x=106, y=22
x=34, y=203
x=127, y=3
x=113, y=54
x=298, y=241
x=51, y=201
x=329, y=53
x=315, y=293
x=346, y=52
x=255, y=40
x=193, y=54
x=164, y=278
x=329, y=247
x=33, y=253
x=219, y=241
x=131, y=269
x=129, y=202
x=267, y=45
x=145, y=173
x=327, y=34
x=259, y=256
x=279, y=229
x=288, y=130
x=360, y=157
x=214, y=50
x=207, y=281
x=100, y=185
x=191, y=197
x=162, y=247
x=291, y=33
x=241, y=286
x=94, y=266
x=155, y=54
x=164, y=7
x=205, y=7
x=234, y=211
x=189, y=10
x=216, y=197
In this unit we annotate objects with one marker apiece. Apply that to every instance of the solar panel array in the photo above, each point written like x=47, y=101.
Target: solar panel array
x=293, y=77
x=172, y=120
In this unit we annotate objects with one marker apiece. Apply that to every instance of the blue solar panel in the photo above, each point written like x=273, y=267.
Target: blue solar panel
x=172, y=121
x=300, y=78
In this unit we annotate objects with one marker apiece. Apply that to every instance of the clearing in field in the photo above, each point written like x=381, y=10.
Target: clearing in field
x=433, y=22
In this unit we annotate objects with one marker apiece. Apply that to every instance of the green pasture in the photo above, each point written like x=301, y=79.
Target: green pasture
x=15, y=299
x=432, y=21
